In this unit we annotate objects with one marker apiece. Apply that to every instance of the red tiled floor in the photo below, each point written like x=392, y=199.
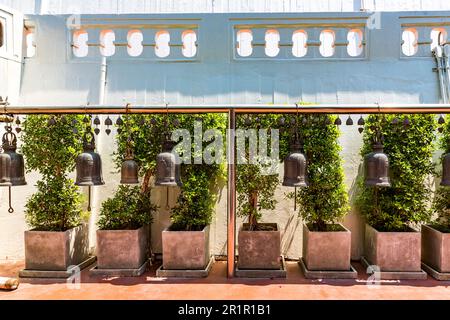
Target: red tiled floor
x=218, y=286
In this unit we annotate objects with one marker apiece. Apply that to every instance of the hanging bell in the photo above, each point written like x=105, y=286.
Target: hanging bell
x=295, y=166
x=167, y=167
x=89, y=164
x=446, y=170
x=17, y=164
x=377, y=167
x=5, y=170
x=130, y=170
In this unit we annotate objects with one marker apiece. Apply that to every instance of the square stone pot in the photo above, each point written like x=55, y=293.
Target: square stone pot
x=122, y=249
x=185, y=250
x=393, y=251
x=259, y=249
x=56, y=251
x=327, y=251
x=436, y=248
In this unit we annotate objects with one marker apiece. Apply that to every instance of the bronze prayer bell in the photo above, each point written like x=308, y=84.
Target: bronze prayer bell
x=377, y=167
x=168, y=169
x=295, y=167
x=12, y=164
x=89, y=164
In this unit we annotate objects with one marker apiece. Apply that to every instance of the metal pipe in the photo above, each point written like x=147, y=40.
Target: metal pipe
x=446, y=70
x=102, y=88
x=238, y=108
x=231, y=194
x=440, y=71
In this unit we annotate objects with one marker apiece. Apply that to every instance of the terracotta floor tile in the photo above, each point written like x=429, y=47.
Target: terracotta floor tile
x=218, y=286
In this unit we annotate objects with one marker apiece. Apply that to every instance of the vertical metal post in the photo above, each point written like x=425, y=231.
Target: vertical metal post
x=231, y=196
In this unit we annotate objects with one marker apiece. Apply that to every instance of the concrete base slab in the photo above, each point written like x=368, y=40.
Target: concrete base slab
x=199, y=273
x=263, y=273
x=63, y=274
x=441, y=276
x=317, y=274
x=119, y=272
x=397, y=275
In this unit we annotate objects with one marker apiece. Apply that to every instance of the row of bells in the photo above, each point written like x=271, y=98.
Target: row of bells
x=89, y=166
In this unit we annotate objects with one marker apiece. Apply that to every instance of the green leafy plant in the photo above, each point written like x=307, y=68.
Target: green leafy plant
x=409, y=148
x=128, y=209
x=441, y=201
x=255, y=185
x=324, y=202
x=201, y=182
x=51, y=149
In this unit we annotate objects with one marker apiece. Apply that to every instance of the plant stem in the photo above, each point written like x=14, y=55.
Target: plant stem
x=252, y=221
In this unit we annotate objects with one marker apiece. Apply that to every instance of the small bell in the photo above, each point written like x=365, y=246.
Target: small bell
x=377, y=167
x=446, y=170
x=295, y=166
x=167, y=167
x=89, y=164
x=17, y=164
x=130, y=170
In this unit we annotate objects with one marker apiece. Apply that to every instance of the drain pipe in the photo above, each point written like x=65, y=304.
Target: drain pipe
x=95, y=192
x=446, y=69
x=438, y=55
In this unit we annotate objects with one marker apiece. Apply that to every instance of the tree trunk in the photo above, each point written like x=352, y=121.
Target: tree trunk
x=253, y=223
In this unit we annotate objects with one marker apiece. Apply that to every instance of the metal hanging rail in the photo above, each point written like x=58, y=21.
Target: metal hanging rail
x=238, y=108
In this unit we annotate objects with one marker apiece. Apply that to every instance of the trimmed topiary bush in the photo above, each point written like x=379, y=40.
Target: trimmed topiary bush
x=409, y=148
x=201, y=182
x=441, y=202
x=324, y=202
x=51, y=149
x=128, y=209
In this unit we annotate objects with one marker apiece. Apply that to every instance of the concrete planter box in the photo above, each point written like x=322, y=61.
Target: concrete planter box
x=259, y=249
x=327, y=251
x=56, y=251
x=185, y=250
x=122, y=249
x=393, y=251
x=436, y=249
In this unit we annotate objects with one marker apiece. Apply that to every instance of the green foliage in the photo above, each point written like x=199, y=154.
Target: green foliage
x=52, y=150
x=200, y=182
x=254, y=186
x=409, y=149
x=325, y=200
x=128, y=209
x=55, y=206
x=441, y=202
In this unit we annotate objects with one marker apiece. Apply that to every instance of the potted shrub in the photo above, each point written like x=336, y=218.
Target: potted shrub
x=391, y=241
x=326, y=242
x=59, y=236
x=436, y=235
x=123, y=235
x=258, y=243
x=185, y=243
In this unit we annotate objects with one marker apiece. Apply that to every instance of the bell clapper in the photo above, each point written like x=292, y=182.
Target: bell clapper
x=11, y=209
x=89, y=199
